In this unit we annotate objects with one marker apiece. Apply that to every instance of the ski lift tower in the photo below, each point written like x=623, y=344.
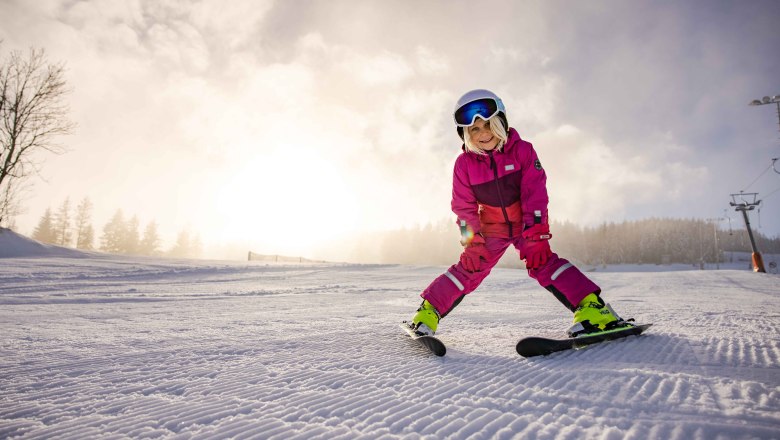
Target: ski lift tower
x=741, y=203
x=766, y=100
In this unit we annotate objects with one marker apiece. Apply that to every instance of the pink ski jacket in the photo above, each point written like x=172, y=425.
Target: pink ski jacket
x=500, y=193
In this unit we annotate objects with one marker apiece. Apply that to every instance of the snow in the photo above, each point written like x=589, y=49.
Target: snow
x=15, y=245
x=103, y=346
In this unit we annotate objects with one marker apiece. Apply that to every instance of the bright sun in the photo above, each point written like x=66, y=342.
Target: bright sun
x=287, y=203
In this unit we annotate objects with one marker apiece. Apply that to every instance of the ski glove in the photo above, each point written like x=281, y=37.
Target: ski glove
x=475, y=252
x=536, y=249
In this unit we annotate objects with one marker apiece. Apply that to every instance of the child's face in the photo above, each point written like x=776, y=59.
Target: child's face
x=481, y=135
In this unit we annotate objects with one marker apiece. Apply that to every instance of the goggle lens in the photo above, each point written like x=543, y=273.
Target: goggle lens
x=485, y=108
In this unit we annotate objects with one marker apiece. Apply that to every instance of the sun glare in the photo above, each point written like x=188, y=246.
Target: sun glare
x=284, y=203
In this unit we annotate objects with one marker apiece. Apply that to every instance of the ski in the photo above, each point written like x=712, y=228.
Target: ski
x=537, y=346
x=430, y=342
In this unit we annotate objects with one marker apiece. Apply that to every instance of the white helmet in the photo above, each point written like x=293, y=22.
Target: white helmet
x=478, y=103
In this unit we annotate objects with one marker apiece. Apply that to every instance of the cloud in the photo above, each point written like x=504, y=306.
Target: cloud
x=304, y=108
x=590, y=181
x=380, y=69
x=431, y=62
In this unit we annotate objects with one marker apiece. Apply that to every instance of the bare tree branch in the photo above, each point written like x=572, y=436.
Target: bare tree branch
x=33, y=113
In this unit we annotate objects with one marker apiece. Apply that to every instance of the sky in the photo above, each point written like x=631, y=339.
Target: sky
x=282, y=125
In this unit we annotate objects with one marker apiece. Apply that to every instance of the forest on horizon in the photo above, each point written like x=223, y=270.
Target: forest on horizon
x=647, y=241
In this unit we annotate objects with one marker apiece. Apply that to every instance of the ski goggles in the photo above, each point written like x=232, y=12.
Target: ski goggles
x=485, y=108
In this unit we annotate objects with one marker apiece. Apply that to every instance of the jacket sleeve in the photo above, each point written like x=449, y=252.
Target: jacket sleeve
x=533, y=185
x=464, y=202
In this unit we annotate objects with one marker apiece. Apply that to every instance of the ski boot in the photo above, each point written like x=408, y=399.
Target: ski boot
x=426, y=320
x=593, y=315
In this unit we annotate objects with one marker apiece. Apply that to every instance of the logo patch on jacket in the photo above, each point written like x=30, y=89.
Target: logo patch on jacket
x=509, y=167
x=538, y=165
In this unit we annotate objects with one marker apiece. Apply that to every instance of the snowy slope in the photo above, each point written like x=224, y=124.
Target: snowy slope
x=119, y=347
x=16, y=245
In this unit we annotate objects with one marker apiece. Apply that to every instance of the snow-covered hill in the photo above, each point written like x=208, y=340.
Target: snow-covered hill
x=122, y=347
x=13, y=244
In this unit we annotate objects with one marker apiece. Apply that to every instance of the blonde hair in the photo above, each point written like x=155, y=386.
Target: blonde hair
x=498, y=130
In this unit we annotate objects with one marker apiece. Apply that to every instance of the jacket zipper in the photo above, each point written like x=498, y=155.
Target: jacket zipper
x=498, y=188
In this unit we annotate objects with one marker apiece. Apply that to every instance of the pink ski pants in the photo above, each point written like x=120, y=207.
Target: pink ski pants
x=558, y=276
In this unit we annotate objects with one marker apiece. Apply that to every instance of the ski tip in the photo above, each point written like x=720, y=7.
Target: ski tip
x=430, y=342
x=643, y=327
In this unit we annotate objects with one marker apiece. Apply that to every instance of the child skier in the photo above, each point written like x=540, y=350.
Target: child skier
x=499, y=195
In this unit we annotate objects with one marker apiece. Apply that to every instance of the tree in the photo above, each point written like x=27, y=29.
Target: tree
x=114, y=232
x=86, y=238
x=10, y=203
x=187, y=246
x=131, y=241
x=85, y=234
x=44, y=232
x=150, y=243
x=32, y=115
x=62, y=232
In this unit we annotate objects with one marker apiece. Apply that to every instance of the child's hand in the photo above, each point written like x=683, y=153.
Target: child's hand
x=475, y=252
x=536, y=249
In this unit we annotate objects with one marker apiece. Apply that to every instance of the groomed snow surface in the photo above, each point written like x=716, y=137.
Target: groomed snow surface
x=98, y=346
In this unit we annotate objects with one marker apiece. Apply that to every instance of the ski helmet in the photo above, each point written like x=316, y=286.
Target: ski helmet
x=478, y=103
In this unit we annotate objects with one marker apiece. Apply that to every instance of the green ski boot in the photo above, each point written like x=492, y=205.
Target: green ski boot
x=426, y=320
x=593, y=315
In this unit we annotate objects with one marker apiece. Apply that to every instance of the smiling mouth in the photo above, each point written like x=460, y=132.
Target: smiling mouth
x=487, y=141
